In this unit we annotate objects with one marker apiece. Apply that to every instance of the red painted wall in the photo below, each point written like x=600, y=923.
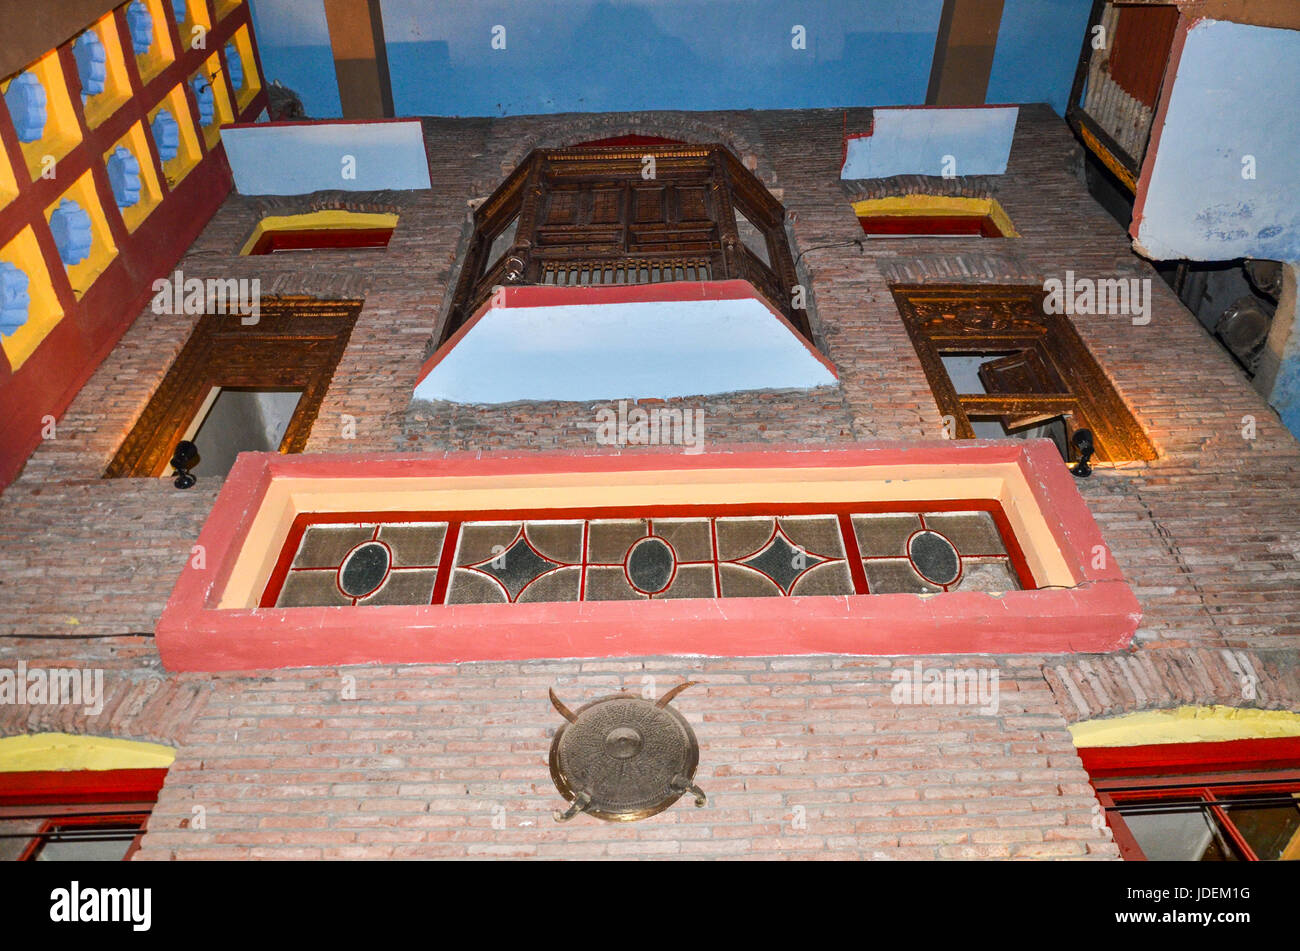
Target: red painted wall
x=49, y=379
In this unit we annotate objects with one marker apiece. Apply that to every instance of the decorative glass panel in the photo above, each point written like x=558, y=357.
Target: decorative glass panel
x=642, y=558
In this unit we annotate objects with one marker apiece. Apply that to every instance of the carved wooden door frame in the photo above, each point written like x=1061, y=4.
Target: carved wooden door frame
x=950, y=319
x=295, y=345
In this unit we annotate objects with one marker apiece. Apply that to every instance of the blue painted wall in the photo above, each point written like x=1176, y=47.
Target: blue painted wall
x=598, y=56
x=614, y=55
x=294, y=42
x=1037, y=52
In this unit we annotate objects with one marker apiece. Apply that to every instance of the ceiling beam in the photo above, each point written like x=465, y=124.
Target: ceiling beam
x=29, y=35
x=360, y=58
x=963, y=52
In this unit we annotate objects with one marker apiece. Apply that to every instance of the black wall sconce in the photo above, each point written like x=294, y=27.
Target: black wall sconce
x=184, y=459
x=1082, y=441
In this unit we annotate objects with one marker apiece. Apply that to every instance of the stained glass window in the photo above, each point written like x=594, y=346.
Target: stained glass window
x=655, y=556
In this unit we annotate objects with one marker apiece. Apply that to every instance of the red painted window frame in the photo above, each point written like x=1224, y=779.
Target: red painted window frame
x=321, y=239
x=948, y=226
x=1190, y=772
x=1099, y=612
x=844, y=511
x=61, y=797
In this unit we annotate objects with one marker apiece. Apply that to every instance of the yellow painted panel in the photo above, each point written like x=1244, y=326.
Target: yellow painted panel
x=197, y=23
x=287, y=497
x=117, y=82
x=24, y=253
x=102, y=248
x=62, y=128
x=64, y=751
x=226, y=7
x=222, y=114
x=937, y=205
x=252, y=81
x=160, y=54
x=1186, y=725
x=8, y=183
x=137, y=144
x=328, y=220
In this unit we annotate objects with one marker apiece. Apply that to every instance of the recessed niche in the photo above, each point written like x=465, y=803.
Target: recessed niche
x=101, y=98
x=320, y=230
x=24, y=324
x=234, y=420
x=41, y=110
x=8, y=183
x=171, y=126
x=933, y=216
x=226, y=7
x=192, y=20
x=244, y=79
x=212, y=97
x=132, y=177
x=81, y=233
x=150, y=36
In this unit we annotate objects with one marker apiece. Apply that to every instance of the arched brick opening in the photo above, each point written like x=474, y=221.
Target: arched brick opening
x=1094, y=686
x=384, y=202
x=568, y=131
x=149, y=709
x=961, y=186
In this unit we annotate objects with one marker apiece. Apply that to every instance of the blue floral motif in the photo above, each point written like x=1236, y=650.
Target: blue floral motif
x=124, y=177
x=26, y=101
x=166, y=135
x=15, y=302
x=235, y=66
x=71, y=227
x=92, y=63
x=207, y=100
x=140, y=22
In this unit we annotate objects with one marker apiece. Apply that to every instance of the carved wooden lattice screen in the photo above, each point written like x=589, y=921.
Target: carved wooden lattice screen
x=592, y=216
x=295, y=344
x=1042, y=368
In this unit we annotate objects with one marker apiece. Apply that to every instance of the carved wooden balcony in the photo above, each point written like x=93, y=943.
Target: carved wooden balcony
x=601, y=216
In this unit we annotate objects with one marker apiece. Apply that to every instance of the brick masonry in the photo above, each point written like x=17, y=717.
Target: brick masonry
x=802, y=757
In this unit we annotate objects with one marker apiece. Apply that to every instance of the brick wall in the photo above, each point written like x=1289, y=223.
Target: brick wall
x=800, y=758
x=1208, y=535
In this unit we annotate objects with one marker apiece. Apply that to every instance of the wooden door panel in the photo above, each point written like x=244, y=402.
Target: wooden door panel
x=561, y=207
x=693, y=204
x=1026, y=371
x=606, y=207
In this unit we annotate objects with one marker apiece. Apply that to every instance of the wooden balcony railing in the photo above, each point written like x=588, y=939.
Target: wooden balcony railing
x=628, y=215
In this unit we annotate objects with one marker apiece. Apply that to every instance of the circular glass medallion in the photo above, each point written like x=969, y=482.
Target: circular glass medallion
x=364, y=569
x=650, y=565
x=934, y=557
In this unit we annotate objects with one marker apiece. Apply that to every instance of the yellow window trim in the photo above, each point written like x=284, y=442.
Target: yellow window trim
x=328, y=220
x=60, y=751
x=1185, y=725
x=937, y=205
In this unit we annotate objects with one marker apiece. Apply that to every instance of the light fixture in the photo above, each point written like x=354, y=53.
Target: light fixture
x=1082, y=441
x=183, y=460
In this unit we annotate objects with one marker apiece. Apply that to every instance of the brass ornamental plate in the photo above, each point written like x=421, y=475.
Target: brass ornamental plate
x=623, y=758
